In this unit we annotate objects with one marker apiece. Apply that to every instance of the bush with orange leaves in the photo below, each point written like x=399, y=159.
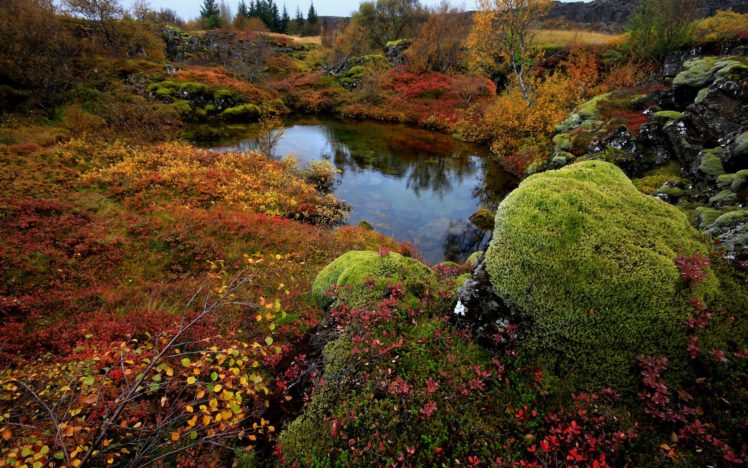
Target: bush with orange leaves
x=518, y=126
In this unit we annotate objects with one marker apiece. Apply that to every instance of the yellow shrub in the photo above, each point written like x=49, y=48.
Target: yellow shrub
x=723, y=25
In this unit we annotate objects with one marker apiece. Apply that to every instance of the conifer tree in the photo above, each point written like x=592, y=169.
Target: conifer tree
x=211, y=14
x=242, y=10
x=312, y=17
x=285, y=19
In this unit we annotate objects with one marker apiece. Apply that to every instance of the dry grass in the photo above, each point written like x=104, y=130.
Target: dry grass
x=315, y=40
x=553, y=38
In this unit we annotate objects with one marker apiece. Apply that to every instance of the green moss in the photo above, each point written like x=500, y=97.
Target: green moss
x=475, y=257
x=741, y=144
x=307, y=439
x=398, y=42
x=725, y=180
x=244, y=113
x=723, y=198
x=184, y=107
x=590, y=109
x=740, y=181
x=562, y=142
x=702, y=94
x=590, y=261
x=705, y=217
x=731, y=218
x=670, y=190
x=700, y=71
x=363, y=277
x=224, y=94
x=483, y=219
x=668, y=115
x=711, y=164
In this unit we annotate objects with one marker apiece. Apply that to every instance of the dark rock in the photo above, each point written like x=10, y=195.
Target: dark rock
x=735, y=155
x=731, y=229
x=619, y=11
x=723, y=111
x=479, y=309
x=394, y=51
x=621, y=148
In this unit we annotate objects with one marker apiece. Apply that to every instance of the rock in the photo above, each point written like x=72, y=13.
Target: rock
x=735, y=156
x=705, y=217
x=622, y=149
x=620, y=11
x=562, y=142
x=479, y=308
x=670, y=192
x=393, y=50
x=710, y=164
x=360, y=278
x=724, y=198
x=668, y=115
x=475, y=257
x=588, y=261
x=560, y=159
x=483, y=219
x=731, y=229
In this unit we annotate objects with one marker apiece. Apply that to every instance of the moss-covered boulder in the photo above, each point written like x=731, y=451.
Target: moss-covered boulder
x=483, y=219
x=701, y=71
x=590, y=262
x=359, y=278
x=711, y=164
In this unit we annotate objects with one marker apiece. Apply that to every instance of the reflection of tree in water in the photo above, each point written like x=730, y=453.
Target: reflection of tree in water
x=463, y=239
x=495, y=185
x=426, y=159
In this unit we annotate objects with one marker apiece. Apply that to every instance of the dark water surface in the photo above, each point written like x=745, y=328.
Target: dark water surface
x=412, y=184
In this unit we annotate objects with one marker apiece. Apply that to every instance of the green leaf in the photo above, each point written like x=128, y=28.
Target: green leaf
x=186, y=362
x=269, y=340
x=88, y=380
x=214, y=376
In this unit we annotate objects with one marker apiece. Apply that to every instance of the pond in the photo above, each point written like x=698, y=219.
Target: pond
x=412, y=184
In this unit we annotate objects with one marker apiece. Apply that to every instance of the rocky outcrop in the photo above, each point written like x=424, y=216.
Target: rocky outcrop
x=619, y=11
x=700, y=124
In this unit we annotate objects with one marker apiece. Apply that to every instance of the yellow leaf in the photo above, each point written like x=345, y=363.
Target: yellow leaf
x=206, y=420
x=191, y=380
x=218, y=388
x=192, y=421
x=189, y=409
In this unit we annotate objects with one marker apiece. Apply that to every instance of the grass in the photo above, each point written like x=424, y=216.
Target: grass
x=556, y=38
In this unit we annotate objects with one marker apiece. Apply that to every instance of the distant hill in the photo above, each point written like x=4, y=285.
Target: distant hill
x=619, y=11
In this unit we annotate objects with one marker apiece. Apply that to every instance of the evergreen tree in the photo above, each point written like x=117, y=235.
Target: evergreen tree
x=311, y=17
x=274, y=17
x=211, y=14
x=242, y=10
x=285, y=19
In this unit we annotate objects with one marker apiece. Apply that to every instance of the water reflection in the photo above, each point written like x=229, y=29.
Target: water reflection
x=413, y=184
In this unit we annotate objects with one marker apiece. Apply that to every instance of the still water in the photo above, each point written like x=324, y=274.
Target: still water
x=415, y=185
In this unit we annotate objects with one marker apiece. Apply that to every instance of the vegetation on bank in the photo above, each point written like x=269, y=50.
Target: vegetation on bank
x=164, y=304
